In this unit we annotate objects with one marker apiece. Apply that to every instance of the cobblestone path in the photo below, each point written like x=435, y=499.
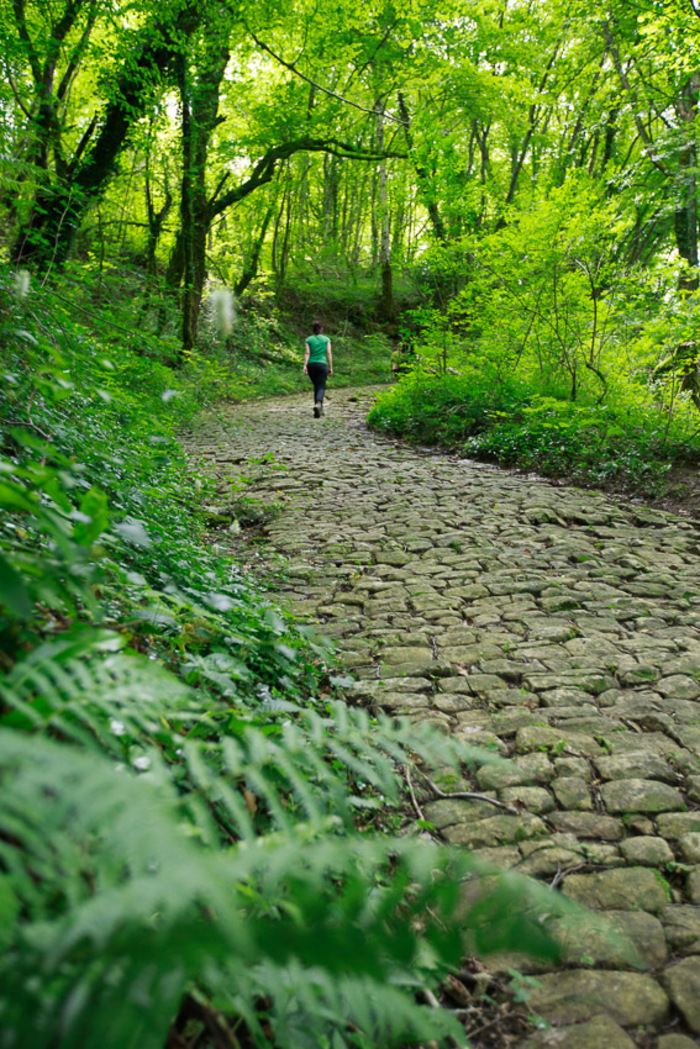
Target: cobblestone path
x=556, y=622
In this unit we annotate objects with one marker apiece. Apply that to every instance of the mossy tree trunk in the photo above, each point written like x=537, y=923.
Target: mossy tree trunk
x=58, y=209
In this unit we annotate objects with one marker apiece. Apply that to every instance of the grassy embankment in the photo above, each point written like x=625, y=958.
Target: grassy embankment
x=631, y=442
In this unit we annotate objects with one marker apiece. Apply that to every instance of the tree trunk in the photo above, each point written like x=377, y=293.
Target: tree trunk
x=686, y=217
x=58, y=209
x=250, y=268
x=424, y=179
x=200, y=105
x=387, y=307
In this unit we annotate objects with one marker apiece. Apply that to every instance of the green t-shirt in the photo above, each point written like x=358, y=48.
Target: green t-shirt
x=317, y=345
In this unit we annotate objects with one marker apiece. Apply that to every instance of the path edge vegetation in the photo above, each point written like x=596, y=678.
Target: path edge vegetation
x=196, y=824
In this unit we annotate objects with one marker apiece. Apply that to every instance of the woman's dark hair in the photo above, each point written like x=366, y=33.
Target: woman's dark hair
x=317, y=327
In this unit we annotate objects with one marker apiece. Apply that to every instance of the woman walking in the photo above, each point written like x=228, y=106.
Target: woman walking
x=318, y=364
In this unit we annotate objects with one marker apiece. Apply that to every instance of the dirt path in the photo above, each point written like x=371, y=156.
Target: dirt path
x=553, y=622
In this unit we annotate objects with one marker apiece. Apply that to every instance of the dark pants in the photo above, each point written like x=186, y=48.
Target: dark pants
x=318, y=373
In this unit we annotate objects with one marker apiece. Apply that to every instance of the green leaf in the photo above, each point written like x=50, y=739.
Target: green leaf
x=133, y=531
x=13, y=593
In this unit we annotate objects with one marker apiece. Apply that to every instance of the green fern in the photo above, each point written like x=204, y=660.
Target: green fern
x=122, y=885
x=118, y=909
x=80, y=689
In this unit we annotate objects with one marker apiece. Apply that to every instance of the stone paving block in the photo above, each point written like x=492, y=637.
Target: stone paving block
x=508, y=669
x=640, y=795
x=406, y=654
x=417, y=669
x=588, y=825
x=536, y=766
x=572, y=792
x=679, y=686
x=602, y=726
x=512, y=697
x=495, y=777
x=549, y=860
x=682, y=981
x=498, y=830
x=532, y=799
x=511, y=720
x=403, y=684
x=682, y=928
x=599, y=1033
x=687, y=665
x=578, y=767
x=445, y=812
x=459, y=636
x=469, y=654
x=482, y=684
x=458, y=683
x=602, y=854
x=689, y=846
x=651, y=742
x=613, y=939
x=501, y=856
x=676, y=1041
x=566, y=697
x=647, y=851
x=692, y=885
x=555, y=740
x=629, y=888
x=403, y=702
x=588, y=681
x=689, y=735
x=636, y=764
x=453, y=703
x=674, y=825
x=630, y=999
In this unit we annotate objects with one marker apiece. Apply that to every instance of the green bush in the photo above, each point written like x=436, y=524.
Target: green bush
x=445, y=409
x=626, y=442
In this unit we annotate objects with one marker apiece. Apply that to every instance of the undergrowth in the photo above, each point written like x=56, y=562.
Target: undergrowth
x=621, y=442
x=261, y=351
x=195, y=823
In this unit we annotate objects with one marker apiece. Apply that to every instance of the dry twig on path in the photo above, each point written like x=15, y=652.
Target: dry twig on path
x=414, y=800
x=466, y=795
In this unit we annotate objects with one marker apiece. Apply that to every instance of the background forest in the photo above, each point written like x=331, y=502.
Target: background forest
x=498, y=199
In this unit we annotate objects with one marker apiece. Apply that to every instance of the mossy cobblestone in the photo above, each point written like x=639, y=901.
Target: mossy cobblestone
x=554, y=625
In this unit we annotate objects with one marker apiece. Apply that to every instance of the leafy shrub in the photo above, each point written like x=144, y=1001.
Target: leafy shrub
x=445, y=409
x=623, y=443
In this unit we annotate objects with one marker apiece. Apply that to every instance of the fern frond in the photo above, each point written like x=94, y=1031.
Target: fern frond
x=118, y=906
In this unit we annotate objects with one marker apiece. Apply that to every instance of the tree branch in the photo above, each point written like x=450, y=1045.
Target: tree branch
x=77, y=53
x=264, y=169
x=80, y=148
x=21, y=23
x=326, y=91
x=629, y=91
x=27, y=112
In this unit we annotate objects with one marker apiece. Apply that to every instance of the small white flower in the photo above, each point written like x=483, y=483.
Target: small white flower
x=117, y=727
x=142, y=763
x=22, y=279
x=223, y=311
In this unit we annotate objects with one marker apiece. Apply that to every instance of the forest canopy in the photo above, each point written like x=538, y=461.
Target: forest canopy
x=213, y=141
